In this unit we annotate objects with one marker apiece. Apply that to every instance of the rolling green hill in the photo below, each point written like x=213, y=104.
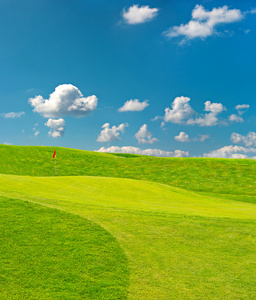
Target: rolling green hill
x=217, y=176
x=152, y=238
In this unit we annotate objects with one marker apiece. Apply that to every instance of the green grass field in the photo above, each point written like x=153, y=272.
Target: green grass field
x=125, y=226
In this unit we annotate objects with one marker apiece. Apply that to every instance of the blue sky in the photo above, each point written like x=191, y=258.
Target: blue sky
x=187, y=69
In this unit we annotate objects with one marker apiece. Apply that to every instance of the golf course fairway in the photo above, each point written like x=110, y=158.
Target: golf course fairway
x=167, y=242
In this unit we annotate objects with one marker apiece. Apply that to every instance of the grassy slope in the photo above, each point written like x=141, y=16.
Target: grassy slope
x=217, y=176
x=172, y=254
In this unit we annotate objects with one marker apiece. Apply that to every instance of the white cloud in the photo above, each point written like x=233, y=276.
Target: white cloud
x=36, y=133
x=65, y=100
x=144, y=136
x=180, y=110
x=235, y=118
x=57, y=127
x=182, y=137
x=231, y=152
x=111, y=134
x=201, y=137
x=248, y=140
x=150, y=152
x=204, y=22
x=209, y=119
x=13, y=115
x=241, y=108
x=253, y=11
x=156, y=118
x=133, y=105
x=136, y=15
x=163, y=126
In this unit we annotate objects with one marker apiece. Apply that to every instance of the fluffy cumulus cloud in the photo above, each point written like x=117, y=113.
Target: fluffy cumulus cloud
x=209, y=119
x=203, y=23
x=111, y=134
x=57, y=127
x=247, y=140
x=232, y=152
x=182, y=137
x=144, y=136
x=13, y=115
x=150, y=152
x=180, y=110
x=133, y=105
x=136, y=14
x=65, y=100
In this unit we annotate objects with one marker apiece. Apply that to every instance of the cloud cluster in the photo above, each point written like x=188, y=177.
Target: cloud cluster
x=203, y=23
x=241, y=109
x=111, y=134
x=133, y=105
x=209, y=119
x=136, y=15
x=182, y=137
x=66, y=100
x=248, y=140
x=144, y=136
x=150, y=152
x=13, y=115
x=57, y=127
x=231, y=152
x=180, y=110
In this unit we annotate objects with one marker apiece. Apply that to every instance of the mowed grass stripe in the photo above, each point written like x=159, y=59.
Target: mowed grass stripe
x=49, y=254
x=122, y=193
x=219, y=176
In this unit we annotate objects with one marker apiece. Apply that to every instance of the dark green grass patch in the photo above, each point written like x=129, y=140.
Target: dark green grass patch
x=219, y=176
x=49, y=254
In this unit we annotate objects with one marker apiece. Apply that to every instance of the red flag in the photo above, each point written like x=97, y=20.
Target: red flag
x=54, y=154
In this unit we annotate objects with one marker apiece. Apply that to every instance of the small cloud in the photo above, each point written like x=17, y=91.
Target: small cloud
x=235, y=118
x=144, y=136
x=182, y=137
x=209, y=119
x=36, y=133
x=66, y=100
x=180, y=110
x=111, y=134
x=13, y=115
x=57, y=127
x=247, y=31
x=134, y=105
x=156, y=118
x=136, y=15
x=150, y=152
x=204, y=22
x=163, y=126
x=201, y=137
x=242, y=108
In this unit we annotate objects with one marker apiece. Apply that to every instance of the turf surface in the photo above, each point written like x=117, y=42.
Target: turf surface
x=49, y=254
x=187, y=232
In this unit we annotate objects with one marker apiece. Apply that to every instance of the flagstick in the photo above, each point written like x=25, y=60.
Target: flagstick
x=55, y=166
